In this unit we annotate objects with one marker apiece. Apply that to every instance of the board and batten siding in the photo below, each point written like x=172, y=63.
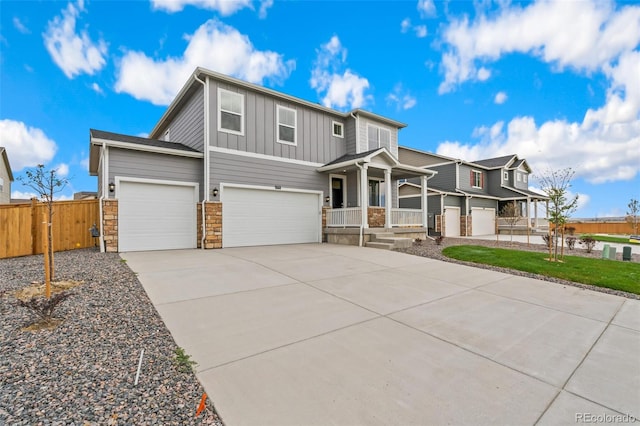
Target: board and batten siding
x=314, y=140
x=350, y=135
x=187, y=127
x=363, y=138
x=229, y=168
x=150, y=165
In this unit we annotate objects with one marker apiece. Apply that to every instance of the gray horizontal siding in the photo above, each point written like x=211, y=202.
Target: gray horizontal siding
x=148, y=165
x=521, y=184
x=417, y=159
x=483, y=202
x=229, y=168
x=188, y=126
x=465, y=179
x=314, y=140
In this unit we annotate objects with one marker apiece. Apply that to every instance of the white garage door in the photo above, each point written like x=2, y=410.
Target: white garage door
x=483, y=221
x=451, y=221
x=156, y=216
x=257, y=217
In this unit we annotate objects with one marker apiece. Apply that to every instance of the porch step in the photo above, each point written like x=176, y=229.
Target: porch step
x=383, y=246
x=388, y=239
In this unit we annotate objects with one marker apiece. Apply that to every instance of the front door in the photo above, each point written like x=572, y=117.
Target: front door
x=337, y=193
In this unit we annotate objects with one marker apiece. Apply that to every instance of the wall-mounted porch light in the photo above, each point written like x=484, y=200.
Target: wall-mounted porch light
x=112, y=187
x=215, y=192
x=327, y=199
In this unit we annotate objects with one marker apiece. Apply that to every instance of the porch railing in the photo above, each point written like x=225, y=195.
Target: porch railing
x=406, y=217
x=504, y=222
x=350, y=216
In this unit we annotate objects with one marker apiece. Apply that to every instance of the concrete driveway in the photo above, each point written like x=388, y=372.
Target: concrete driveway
x=329, y=334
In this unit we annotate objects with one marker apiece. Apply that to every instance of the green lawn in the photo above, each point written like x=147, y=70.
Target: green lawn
x=612, y=274
x=610, y=239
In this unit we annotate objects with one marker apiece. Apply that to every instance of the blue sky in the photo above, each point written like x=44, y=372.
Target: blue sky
x=557, y=83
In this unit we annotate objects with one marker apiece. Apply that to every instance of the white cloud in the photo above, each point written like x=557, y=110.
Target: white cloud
x=339, y=89
x=62, y=170
x=85, y=163
x=224, y=7
x=501, y=97
x=583, y=35
x=26, y=146
x=75, y=53
x=17, y=23
x=605, y=145
x=264, y=6
x=420, y=30
x=483, y=74
x=96, y=88
x=401, y=98
x=426, y=8
x=215, y=46
x=23, y=195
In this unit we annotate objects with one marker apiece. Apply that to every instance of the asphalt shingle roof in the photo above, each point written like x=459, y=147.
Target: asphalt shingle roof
x=117, y=137
x=495, y=162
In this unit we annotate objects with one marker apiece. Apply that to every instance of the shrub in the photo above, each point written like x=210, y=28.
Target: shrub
x=417, y=242
x=548, y=240
x=183, y=361
x=439, y=239
x=588, y=242
x=571, y=242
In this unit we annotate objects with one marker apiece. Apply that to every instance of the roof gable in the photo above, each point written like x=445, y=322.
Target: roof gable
x=5, y=159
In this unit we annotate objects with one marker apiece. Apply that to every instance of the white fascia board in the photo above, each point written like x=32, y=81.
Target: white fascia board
x=146, y=148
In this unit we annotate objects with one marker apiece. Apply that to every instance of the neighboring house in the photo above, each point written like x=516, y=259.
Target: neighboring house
x=6, y=177
x=465, y=198
x=85, y=195
x=232, y=164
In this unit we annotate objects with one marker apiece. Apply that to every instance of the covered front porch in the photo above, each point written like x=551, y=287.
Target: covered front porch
x=364, y=193
x=521, y=216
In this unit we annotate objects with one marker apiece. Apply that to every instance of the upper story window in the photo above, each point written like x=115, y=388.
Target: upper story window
x=230, y=112
x=505, y=176
x=337, y=129
x=524, y=178
x=477, y=180
x=378, y=137
x=286, y=125
x=519, y=177
x=1, y=184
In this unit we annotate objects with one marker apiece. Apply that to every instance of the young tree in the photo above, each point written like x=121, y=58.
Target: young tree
x=556, y=184
x=511, y=215
x=46, y=183
x=633, y=214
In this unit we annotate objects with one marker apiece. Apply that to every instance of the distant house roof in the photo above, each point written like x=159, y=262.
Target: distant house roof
x=5, y=158
x=497, y=161
x=99, y=137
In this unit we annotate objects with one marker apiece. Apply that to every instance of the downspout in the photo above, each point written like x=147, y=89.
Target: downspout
x=205, y=149
x=105, y=178
x=362, y=207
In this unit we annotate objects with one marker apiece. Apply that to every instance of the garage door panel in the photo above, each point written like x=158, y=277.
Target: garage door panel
x=452, y=222
x=267, y=217
x=156, y=216
x=483, y=221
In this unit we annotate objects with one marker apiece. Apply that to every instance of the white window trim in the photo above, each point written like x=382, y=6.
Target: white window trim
x=505, y=176
x=344, y=189
x=242, y=114
x=524, y=178
x=379, y=129
x=518, y=176
x=333, y=125
x=295, y=125
x=474, y=180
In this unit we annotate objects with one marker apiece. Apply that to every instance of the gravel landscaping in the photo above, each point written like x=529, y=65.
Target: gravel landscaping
x=429, y=248
x=82, y=372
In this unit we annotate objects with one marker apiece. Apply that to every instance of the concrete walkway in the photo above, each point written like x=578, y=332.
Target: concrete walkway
x=328, y=334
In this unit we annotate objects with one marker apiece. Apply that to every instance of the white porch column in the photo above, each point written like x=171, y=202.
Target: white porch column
x=387, y=198
x=364, y=195
x=528, y=213
x=425, y=211
x=535, y=212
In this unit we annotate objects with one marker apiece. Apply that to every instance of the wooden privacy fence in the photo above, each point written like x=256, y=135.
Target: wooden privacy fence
x=21, y=226
x=624, y=228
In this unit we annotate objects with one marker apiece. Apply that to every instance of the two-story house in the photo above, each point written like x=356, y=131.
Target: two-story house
x=232, y=164
x=466, y=197
x=6, y=177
